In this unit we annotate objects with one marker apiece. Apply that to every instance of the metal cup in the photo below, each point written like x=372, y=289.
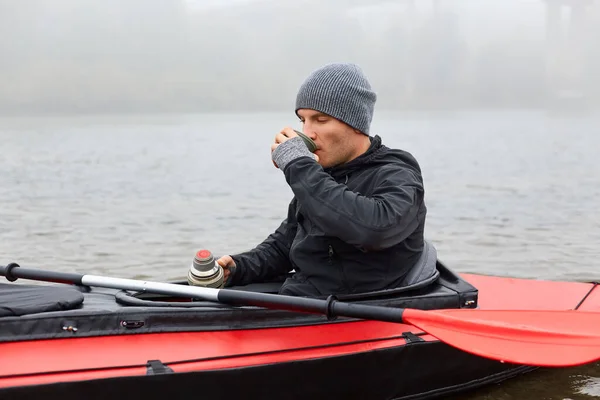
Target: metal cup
x=307, y=141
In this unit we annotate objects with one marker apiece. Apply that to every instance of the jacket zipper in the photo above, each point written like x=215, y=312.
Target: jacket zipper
x=331, y=254
x=331, y=260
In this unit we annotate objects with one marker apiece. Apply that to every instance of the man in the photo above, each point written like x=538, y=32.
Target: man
x=356, y=221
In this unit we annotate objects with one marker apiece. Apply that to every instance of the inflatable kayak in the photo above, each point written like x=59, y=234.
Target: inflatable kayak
x=82, y=336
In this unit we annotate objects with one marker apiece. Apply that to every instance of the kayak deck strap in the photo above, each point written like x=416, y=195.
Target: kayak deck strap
x=156, y=367
x=412, y=337
x=594, y=286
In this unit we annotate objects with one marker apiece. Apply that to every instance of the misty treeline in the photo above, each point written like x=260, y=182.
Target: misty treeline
x=71, y=56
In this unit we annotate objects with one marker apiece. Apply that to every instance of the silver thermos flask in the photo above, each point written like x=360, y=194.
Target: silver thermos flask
x=205, y=271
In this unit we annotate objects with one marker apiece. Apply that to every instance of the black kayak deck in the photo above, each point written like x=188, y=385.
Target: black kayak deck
x=53, y=310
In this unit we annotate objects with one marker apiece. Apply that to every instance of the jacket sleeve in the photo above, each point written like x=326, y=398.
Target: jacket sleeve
x=270, y=258
x=378, y=221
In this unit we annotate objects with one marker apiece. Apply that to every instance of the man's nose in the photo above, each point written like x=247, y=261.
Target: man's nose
x=310, y=132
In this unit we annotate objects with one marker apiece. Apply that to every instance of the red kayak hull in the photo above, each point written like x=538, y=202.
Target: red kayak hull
x=50, y=361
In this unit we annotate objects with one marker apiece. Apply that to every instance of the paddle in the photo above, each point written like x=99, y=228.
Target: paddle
x=539, y=338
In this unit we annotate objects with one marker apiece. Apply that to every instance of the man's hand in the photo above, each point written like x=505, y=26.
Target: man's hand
x=227, y=263
x=285, y=134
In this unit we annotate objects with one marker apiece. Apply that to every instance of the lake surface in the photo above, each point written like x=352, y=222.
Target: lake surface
x=509, y=193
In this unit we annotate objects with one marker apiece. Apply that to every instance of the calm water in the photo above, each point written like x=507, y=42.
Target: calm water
x=509, y=193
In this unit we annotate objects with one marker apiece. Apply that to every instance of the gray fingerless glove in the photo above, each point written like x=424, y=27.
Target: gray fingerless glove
x=290, y=150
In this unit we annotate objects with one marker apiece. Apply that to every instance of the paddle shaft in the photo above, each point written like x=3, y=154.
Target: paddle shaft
x=330, y=307
x=12, y=272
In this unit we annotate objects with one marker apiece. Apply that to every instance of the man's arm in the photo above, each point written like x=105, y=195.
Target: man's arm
x=270, y=258
x=381, y=220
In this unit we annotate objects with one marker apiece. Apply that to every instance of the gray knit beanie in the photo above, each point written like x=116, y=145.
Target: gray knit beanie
x=342, y=91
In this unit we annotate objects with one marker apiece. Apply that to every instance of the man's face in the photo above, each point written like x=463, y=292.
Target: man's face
x=336, y=142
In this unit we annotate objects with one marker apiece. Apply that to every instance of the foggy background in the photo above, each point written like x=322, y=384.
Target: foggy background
x=156, y=119
x=119, y=56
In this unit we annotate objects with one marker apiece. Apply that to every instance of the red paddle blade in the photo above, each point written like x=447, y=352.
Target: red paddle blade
x=539, y=338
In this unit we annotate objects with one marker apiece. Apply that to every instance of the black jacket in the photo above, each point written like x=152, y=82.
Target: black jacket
x=354, y=228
